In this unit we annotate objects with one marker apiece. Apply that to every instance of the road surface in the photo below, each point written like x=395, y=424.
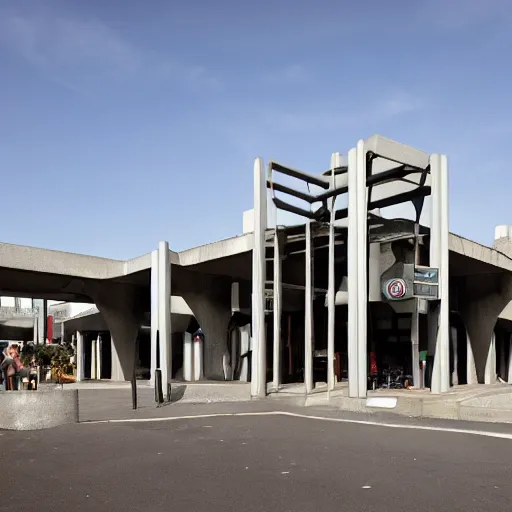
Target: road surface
x=253, y=463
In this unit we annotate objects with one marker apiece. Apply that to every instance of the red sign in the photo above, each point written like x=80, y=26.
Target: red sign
x=49, y=328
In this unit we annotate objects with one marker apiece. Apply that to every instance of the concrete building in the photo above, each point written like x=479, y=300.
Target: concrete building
x=310, y=303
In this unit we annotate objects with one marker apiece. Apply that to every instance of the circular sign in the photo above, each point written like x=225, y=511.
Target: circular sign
x=395, y=289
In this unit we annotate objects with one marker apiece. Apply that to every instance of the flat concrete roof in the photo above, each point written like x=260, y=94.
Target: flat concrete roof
x=93, y=267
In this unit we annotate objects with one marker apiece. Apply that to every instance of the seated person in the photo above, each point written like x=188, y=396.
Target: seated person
x=7, y=365
x=18, y=365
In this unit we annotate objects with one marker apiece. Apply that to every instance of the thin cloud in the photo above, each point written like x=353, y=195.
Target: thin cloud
x=294, y=73
x=78, y=53
x=464, y=14
x=340, y=116
x=397, y=104
x=64, y=44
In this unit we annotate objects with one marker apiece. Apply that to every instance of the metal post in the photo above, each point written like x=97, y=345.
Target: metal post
x=308, y=313
x=159, y=394
x=259, y=352
x=276, y=374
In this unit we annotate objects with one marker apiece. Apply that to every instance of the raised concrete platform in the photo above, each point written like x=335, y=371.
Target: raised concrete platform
x=488, y=403
x=203, y=392
x=36, y=410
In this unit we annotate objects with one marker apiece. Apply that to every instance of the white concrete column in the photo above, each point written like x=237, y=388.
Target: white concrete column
x=490, y=366
x=79, y=356
x=362, y=271
x=154, y=364
x=34, y=336
x=509, y=379
x=164, y=313
x=331, y=291
x=259, y=352
x=308, y=311
x=439, y=257
x=98, y=358
x=94, y=355
x=352, y=277
x=188, y=362
x=276, y=374
x=198, y=359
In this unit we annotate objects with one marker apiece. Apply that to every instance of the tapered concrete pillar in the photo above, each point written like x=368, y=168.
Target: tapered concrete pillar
x=501, y=369
x=79, y=356
x=116, y=368
x=276, y=374
x=164, y=313
x=308, y=311
x=331, y=291
x=470, y=361
x=439, y=257
x=490, y=367
x=122, y=312
x=154, y=363
x=259, y=352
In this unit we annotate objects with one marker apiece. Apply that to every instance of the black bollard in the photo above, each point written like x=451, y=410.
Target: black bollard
x=134, y=392
x=159, y=394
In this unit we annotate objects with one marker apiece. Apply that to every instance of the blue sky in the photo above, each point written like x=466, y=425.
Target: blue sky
x=123, y=123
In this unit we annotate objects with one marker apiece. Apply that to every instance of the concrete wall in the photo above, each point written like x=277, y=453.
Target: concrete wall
x=35, y=410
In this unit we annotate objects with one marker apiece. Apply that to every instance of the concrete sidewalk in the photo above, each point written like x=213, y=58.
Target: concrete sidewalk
x=481, y=403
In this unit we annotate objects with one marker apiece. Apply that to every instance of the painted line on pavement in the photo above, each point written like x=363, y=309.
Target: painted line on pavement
x=499, y=435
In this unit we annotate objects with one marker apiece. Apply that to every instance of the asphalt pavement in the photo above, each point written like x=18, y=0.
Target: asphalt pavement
x=253, y=463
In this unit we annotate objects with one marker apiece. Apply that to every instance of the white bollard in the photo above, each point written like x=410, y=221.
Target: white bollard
x=187, y=356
